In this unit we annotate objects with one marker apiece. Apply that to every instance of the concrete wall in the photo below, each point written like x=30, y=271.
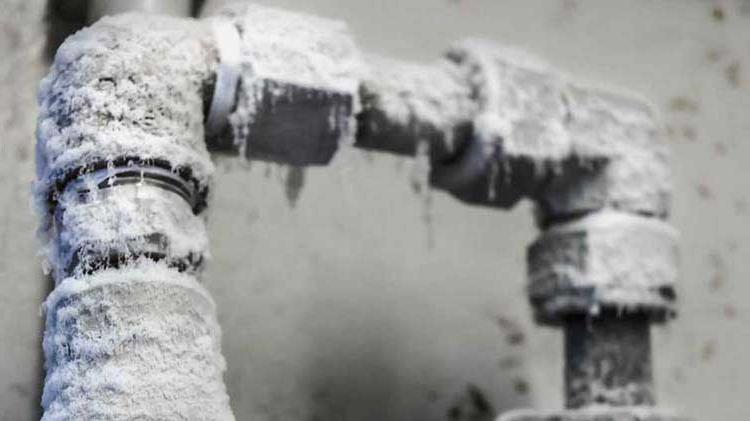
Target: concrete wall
x=367, y=300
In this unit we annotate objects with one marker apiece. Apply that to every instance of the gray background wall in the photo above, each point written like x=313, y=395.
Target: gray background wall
x=367, y=300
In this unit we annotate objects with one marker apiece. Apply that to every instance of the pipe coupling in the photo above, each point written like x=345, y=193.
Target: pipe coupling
x=603, y=261
x=298, y=87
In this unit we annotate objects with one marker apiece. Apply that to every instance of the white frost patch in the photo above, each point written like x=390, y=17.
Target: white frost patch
x=412, y=94
x=141, y=342
x=128, y=86
x=296, y=48
x=520, y=98
x=623, y=129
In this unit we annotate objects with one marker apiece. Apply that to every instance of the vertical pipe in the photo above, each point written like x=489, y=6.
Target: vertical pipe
x=131, y=334
x=139, y=342
x=608, y=360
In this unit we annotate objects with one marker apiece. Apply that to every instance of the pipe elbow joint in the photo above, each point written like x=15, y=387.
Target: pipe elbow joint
x=570, y=147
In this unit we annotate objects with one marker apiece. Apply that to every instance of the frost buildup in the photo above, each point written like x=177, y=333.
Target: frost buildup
x=298, y=87
x=619, y=157
x=122, y=176
x=608, y=259
x=407, y=105
x=135, y=343
x=518, y=131
x=108, y=111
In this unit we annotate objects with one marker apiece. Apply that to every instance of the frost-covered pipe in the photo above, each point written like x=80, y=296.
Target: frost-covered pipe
x=502, y=125
x=123, y=174
x=408, y=104
x=122, y=178
x=120, y=144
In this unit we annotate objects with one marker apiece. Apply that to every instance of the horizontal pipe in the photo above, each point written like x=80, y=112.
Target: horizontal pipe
x=100, y=8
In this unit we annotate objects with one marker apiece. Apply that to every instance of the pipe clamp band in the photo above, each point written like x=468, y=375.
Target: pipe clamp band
x=227, y=76
x=111, y=177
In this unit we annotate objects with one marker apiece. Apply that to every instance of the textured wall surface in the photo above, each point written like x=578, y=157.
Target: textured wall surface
x=360, y=297
x=23, y=284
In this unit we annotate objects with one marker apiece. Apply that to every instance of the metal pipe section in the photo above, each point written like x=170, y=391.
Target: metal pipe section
x=608, y=361
x=97, y=9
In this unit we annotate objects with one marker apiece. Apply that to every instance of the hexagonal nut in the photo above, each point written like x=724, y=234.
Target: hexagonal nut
x=607, y=260
x=298, y=88
x=519, y=132
x=594, y=414
x=619, y=157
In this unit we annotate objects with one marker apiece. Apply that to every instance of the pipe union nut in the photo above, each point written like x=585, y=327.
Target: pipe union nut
x=608, y=260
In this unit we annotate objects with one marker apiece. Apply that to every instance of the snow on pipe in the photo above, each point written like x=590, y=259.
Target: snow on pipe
x=498, y=125
x=122, y=180
x=123, y=173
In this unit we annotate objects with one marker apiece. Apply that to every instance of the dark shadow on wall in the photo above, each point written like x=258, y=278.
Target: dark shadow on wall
x=353, y=379
x=361, y=374
x=349, y=384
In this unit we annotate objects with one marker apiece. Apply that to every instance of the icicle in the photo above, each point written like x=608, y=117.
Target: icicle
x=420, y=182
x=295, y=181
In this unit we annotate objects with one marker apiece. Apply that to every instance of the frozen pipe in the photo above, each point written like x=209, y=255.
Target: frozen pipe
x=502, y=125
x=408, y=104
x=593, y=161
x=498, y=126
x=123, y=173
x=297, y=92
x=608, y=361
